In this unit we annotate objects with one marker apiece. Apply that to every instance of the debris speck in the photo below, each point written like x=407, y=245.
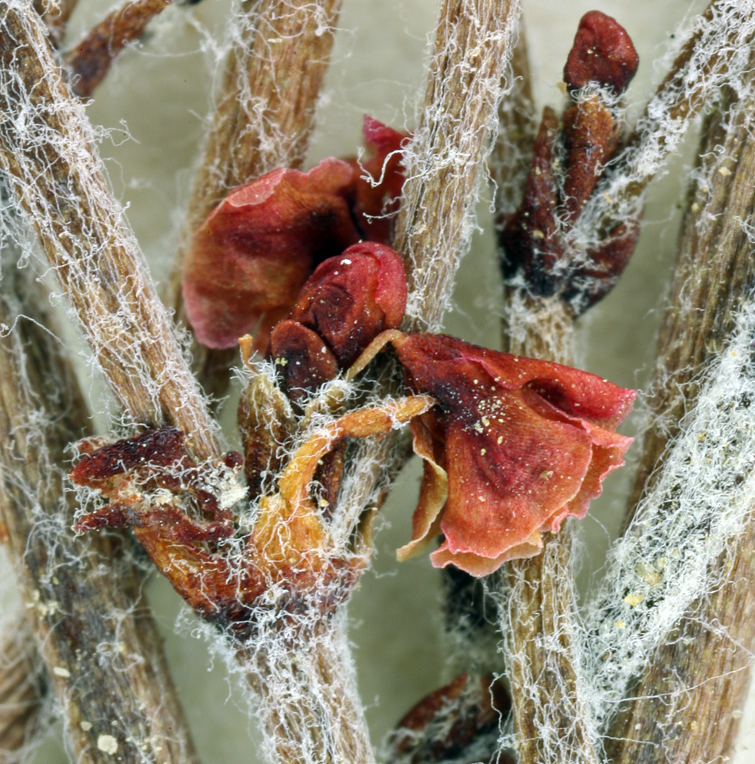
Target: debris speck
x=107, y=744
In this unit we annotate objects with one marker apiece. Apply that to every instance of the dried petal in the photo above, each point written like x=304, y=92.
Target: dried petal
x=524, y=443
x=304, y=360
x=373, y=204
x=255, y=251
x=603, y=53
x=350, y=299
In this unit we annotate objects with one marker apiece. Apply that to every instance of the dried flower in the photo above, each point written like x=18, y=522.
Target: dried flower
x=250, y=258
x=513, y=447
x=255, y=251
x=375, y=201
x=344, y=305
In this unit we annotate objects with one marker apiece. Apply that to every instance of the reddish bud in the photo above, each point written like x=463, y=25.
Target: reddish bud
x=602, y=53
x=514, y=447
x=255, y=251
x=351, y=298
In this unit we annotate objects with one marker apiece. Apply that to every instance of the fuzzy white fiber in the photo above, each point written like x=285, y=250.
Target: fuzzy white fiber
x=152, y=108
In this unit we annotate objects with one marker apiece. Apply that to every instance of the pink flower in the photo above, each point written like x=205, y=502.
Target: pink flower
x=513, y=447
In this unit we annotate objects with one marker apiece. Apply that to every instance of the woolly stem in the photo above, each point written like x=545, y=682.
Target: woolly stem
x=103, y=654
x=537, y=603
x=307, y=697
x=22, y=690
x=704, y=667
x=58, y=179
x=443, y=162
x=517, y=128
x=538, y=607
x=263, y=118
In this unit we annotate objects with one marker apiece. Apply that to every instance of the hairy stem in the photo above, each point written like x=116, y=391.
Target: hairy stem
x=538, y=605
x=444, y=161
x=23, y=688
x=102, y=652
x=685, y=705
x=53, y=170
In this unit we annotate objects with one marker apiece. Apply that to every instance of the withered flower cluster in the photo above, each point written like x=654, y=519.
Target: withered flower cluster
x=511, y=446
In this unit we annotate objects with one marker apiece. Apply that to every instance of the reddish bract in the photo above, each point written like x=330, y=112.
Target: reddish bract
x=255, y=251
x=514, y=447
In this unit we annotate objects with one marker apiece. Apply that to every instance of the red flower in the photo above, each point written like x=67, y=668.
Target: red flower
x=344, y=305
x=255, y=251
x=249, y=260
x=513, y=447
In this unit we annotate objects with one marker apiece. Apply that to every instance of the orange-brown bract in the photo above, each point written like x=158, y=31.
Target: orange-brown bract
x=513, y=447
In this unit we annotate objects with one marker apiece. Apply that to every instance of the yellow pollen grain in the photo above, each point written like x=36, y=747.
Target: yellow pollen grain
x=633, y=599
x=483, y=451
x=500, y=439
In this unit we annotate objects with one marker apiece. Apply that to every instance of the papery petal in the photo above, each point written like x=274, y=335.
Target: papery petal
x=508, y=473
x=525, y=444
x=260, y=244
x=351, y=298
x=433, y=493
x=372, y=202
x=449, y=364
x=483, y=566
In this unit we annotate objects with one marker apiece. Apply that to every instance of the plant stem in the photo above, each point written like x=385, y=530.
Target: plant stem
x=537, y=602
x=263, y=118
x=23, y=687
x=538, y=605
x=443, y=162
x=61, y=187
x=704, y=666
x=91, y=59
x=102, y=652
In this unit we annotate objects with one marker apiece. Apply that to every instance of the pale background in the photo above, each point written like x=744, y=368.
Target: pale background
x=153, y=105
